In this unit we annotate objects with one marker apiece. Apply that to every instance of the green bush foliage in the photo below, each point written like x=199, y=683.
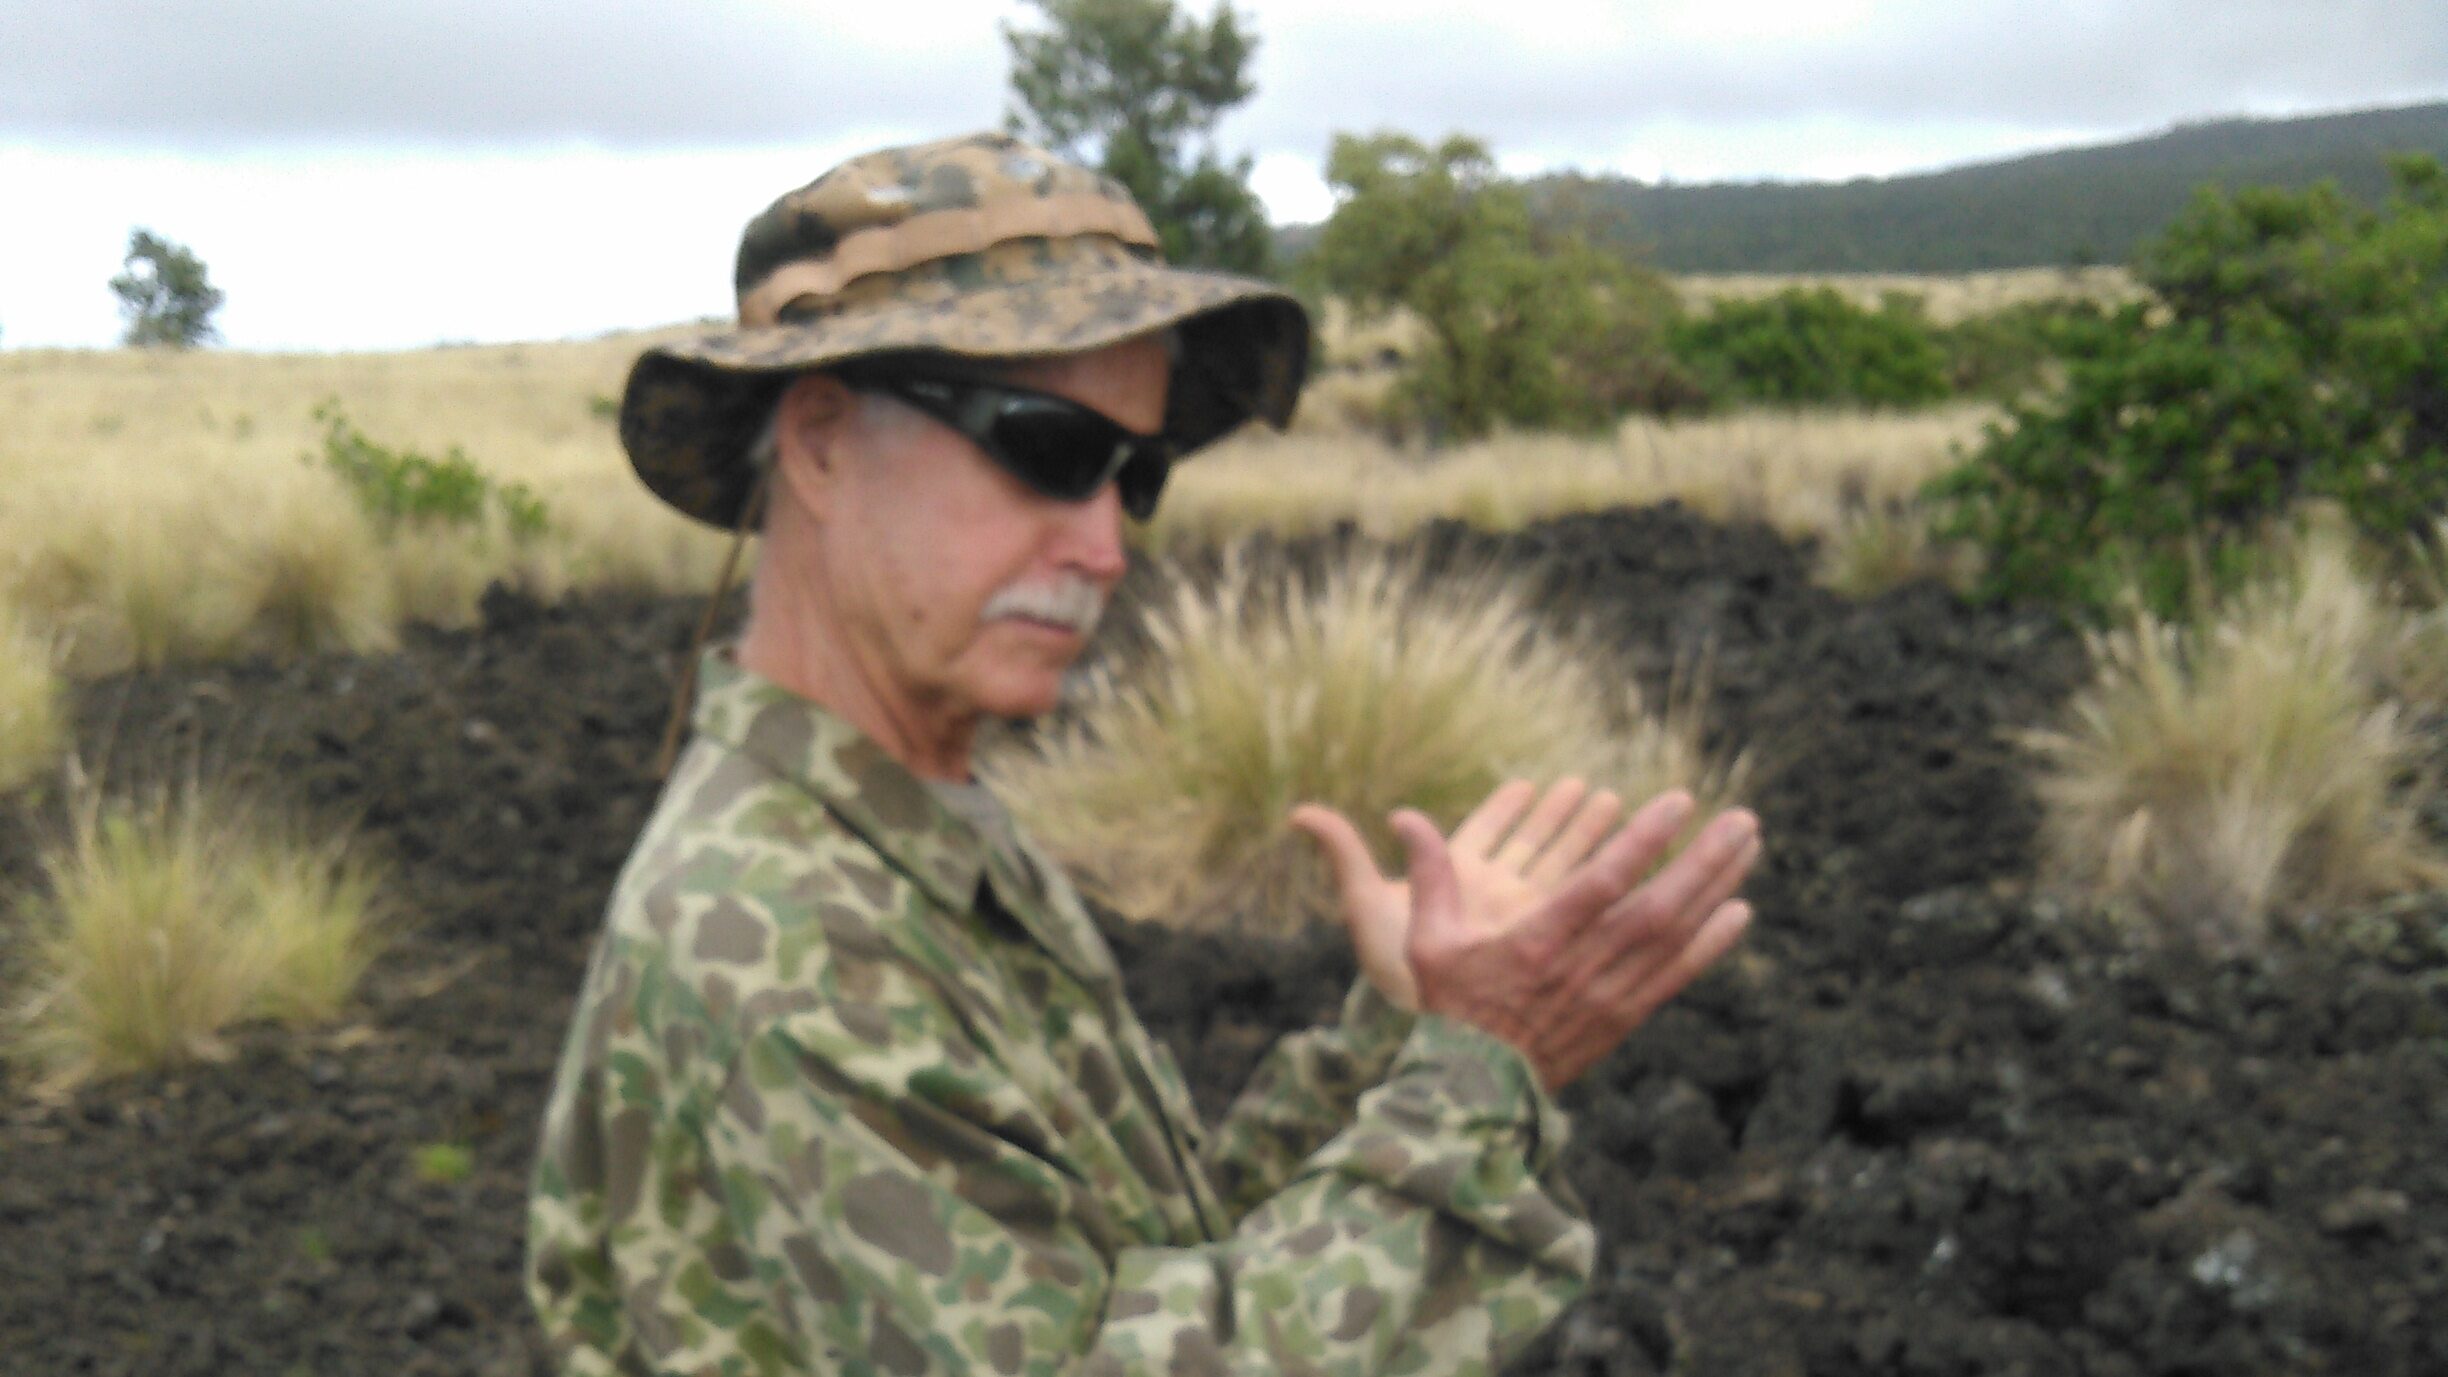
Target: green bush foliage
x=2008, y=354
x=1528, y=322
x=397, y=487
x=1812, y=345
x=2298, y=350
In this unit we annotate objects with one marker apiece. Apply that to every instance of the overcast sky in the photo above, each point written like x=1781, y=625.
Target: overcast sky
x=380, y=175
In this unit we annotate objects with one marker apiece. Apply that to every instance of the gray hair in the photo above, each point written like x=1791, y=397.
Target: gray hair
x=766, y=447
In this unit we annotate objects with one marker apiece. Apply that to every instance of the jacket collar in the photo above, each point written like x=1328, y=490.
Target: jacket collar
x=892, y=810
x=873, y=794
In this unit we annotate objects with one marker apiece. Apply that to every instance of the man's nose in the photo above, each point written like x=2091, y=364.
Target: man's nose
x=1092, y=536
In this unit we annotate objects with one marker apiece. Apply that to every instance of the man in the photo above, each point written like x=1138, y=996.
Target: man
x=852, y=1085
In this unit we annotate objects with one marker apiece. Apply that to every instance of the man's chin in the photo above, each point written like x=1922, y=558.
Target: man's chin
x=1020, y=708
x=1017, y=668
x=1025, y=695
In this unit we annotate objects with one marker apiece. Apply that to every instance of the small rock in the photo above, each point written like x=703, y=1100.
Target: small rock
x=1801, y=1103
x=1948, y=925
x=421, y=1312
x=1914, y=1098
x=1690, y=1140
x=2367, y=1210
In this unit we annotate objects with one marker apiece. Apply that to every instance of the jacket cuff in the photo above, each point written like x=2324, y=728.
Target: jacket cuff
x=1486, y=1081
x=1374, y=1028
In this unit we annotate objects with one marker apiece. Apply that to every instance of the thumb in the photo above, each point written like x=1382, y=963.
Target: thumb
x=1347, y=854
x=1436, y=891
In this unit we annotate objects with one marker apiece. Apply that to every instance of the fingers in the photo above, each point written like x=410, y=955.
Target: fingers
x=1436, y=891
x=1602, y=879
x=1347, y=854
x=1657, y=929
x=1607, y=1016
x=1547, y=817
x=1493, y=818
x=1677, y=898
x=1597, y=816
x=1725, y=926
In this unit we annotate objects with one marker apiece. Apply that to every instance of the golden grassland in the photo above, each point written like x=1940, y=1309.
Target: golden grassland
x=31, y=704
x=167, y=506
x=2264, y=758
x=163, y=506
x=1948, y=298
x=1803, y=472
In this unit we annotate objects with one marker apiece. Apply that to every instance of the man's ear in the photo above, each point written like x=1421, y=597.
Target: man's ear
x=809, y=423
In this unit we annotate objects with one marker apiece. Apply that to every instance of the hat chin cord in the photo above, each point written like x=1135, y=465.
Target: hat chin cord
x=684, y=697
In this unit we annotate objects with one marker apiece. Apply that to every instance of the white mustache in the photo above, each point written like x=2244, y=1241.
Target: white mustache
x=1071, y=602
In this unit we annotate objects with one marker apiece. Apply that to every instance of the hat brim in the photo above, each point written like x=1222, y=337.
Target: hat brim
x=692, y=407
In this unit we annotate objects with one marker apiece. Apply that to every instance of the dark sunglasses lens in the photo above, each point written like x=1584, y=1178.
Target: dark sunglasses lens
x=1142, y=481
x=1062, y=451
x=1058, y=447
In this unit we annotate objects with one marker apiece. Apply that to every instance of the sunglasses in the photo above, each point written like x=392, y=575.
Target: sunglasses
x=1056, y=446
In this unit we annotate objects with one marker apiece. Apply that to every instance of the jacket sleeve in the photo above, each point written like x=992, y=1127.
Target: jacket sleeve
x=902, y=1221
x=1304, y=1092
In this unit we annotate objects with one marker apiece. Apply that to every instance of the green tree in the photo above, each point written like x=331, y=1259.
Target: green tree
x=1528, y=322
x=2298, y=349
x=1135, y=87
x=164, y=294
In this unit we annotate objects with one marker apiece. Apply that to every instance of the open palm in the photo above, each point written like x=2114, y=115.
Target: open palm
x=1509, y=857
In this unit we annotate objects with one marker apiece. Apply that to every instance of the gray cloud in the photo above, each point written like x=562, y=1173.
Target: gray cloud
x=462, y=72
x=634, y=73
x=2107, y=64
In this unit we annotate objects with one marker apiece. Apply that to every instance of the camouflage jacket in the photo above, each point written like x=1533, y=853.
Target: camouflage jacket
x=848, y=1090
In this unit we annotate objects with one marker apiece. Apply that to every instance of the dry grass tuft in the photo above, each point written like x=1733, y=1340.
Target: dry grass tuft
x=166, y=921
x=438, y=574
x=1367, y=687
x=2249, y=765
x=2415, y=658
x=1884, y=547
x=33, y=710
x=315, y=577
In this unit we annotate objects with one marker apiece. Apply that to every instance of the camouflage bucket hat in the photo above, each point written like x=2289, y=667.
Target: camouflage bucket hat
x=982, y=247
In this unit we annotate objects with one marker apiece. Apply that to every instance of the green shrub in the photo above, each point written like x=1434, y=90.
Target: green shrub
x=401, y=487
x=2007, y=354
x=2299, y=350
x=1811, y=345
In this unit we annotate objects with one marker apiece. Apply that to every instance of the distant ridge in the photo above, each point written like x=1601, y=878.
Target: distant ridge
x=2071, y=206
